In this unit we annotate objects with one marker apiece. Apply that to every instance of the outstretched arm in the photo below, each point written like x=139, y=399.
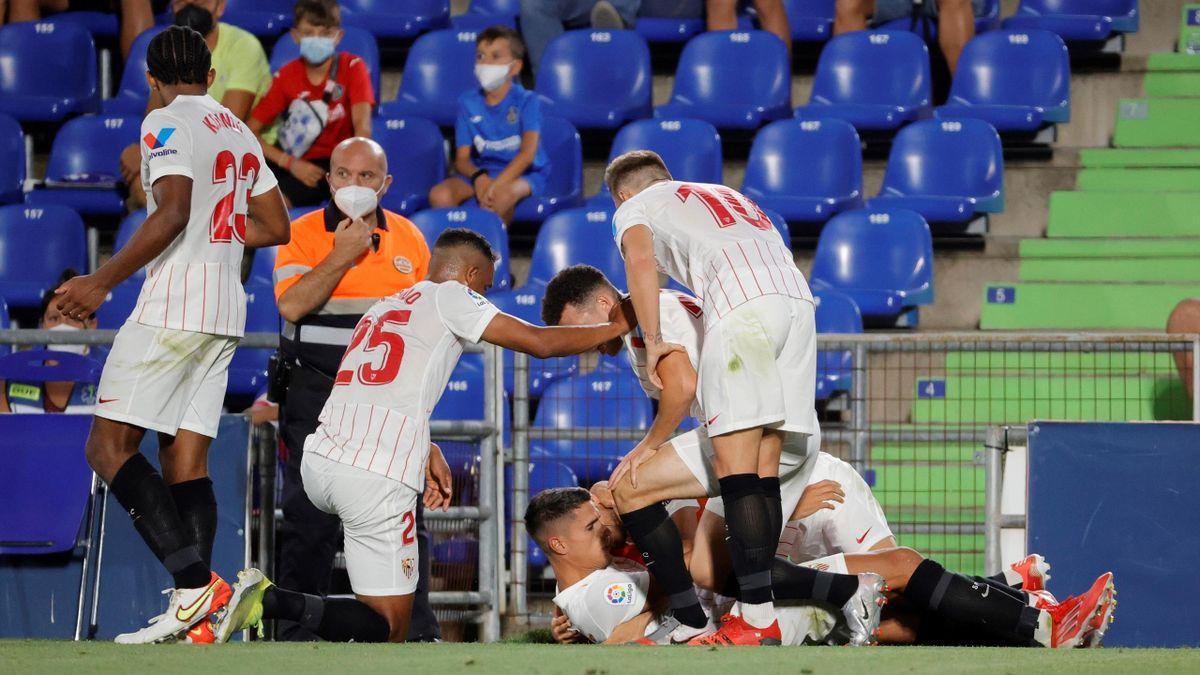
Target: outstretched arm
x=544, y=342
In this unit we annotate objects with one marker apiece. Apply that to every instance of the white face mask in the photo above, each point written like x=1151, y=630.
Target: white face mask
x=491, y=75
x=82, y=350
x=356, y=201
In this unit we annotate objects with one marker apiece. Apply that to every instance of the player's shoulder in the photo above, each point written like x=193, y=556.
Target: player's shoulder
x=456, y=291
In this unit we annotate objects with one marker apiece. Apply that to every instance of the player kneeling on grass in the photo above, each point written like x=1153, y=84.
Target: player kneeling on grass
x=369, y=458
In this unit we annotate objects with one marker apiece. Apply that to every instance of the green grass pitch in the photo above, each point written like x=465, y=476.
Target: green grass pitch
x=95, y=657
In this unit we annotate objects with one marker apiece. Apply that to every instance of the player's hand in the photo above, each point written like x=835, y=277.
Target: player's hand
x=629, y=464
x=826, y=494
x=439, y=482
x=482, y=185
x=562, y=631
x=261, y=414
x=78, y=297
x=131, y=164
x=306, y=172
x=655, y=350
x=351, y=239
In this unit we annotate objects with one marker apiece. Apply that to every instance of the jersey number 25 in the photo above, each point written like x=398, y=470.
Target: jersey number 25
x=372, y=330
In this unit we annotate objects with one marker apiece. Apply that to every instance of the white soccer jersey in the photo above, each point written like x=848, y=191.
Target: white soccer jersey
x=715, y=241
x=606, y=598
x=195, y=284
x=392, y=375
x=681, y=322
x=853, y=527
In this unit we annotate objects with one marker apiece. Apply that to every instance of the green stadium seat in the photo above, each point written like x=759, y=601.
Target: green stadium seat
x=1045, y=363
x=1119, y=270
x=1124, y=214
x=1157, y=123
x=1172, y=84
x=1129, y=158
x=1138, y=180
x=1036, y=306
x=1110, y=248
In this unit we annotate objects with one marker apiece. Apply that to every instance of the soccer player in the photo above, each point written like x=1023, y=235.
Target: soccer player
x=210, y=195
x=366, y=462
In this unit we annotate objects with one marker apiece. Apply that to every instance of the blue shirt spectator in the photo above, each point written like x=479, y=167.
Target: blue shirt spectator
x=494, y=131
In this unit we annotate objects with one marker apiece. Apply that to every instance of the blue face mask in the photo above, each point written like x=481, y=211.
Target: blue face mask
x=316, y=49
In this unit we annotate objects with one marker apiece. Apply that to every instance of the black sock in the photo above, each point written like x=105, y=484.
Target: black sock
x=770, y=487
x=796, y=582
x=143, y=494
x=197, y=507
x=969, y=603
x=662, y=550
x=1003, y=587
x=751, y=543
x=331, y=619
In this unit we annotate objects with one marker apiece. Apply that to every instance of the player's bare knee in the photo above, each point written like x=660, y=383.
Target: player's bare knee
x=854, y=12
x=627, y=497
x=901, y=562
x=954, y=5
x=1185, y=318
x=441, y=197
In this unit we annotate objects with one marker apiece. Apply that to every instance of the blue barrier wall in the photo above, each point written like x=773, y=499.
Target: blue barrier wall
x=38, y=594
x=1125, y=498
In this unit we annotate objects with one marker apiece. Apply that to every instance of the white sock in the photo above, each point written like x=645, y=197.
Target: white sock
x=760, y=615
x=1011, y=577
x=1044, y=630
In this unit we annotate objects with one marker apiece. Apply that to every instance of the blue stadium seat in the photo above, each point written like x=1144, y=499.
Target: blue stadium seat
x=946, y=170
x=691, y=149
x=300, y=211
x=119, y=305
x=597, y=79
x=262, y=269
x=835, y=313
x=84, y=167
x=440, y=67
x=133, y=92
x=433, y=222
x=713, y=82
x=1016, y=80
x=481, y=14
x=418, y=155
x=49, y=72
x=12, y=161
x=988, y=19
x=264, y=18
x=805, y=170
x=396, y=20
x=99, y=24
x=875, y=80
x=1077, y=20
x=665, y=29
x=576, y=236
x=356, y=41
x=881, y=259
x=810, y=20
x=39, y=243
x=525, y=303
x=781, y=226
x=606, y=397
x=248, y=369
x=564, y=185
x=5, y=324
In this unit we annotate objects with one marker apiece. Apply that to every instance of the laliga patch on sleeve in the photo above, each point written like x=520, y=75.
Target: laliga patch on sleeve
x=619, y=594
x=480, y=301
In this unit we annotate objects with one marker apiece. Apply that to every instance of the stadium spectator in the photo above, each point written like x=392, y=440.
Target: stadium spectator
x=53, y=397
x=340, y=261
x=955, y=19
x=135, y=15
x=325, y=97
x=772, y=17
x=1185, y=318
x=242, y=75
x=499, y=158
x=544, y=20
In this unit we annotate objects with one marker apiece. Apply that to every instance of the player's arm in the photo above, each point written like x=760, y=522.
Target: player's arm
x=524, y=159
x=81, y=295
x=544, y=342
x=678, y=392
x=633, y=629
x=268, y=224
x=637, y=245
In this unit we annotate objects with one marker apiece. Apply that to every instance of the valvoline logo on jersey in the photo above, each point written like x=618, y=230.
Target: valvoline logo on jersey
x=619, y=594
x=156, y=141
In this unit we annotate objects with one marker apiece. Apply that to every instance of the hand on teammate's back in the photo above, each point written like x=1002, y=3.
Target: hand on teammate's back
x=655, y=350
x=78, y=297
x=306, y=172
x=819, y=495
x=351, y=239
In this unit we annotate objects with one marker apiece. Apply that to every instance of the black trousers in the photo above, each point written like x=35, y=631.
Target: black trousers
x=308, y=537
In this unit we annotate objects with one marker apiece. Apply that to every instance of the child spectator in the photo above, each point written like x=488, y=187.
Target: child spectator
x=325, y=97
x=499, y=159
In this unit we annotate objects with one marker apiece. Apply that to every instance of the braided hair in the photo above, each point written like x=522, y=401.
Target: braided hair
x=179, y=55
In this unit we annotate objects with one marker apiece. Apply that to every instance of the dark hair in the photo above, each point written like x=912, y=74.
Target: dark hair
x=550, y=505
x=632, y=163
x=502, y=32
x=326, y=13
x=179, y=55
x=461, y=236
x=571, y=286
x=48, y=297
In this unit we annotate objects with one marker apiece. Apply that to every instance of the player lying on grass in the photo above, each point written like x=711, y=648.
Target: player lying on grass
x=682, y=467
x=367, y=461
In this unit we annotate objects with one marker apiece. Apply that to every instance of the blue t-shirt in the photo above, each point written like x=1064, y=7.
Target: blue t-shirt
x=494, y=132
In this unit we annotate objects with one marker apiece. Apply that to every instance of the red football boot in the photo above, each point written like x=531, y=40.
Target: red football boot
x=734, y=631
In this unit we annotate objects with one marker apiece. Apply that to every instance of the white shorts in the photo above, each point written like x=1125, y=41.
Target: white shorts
x=758, y=367
x=165, y=380
x=795, y=466
x=379, y=520
x=835, y=563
